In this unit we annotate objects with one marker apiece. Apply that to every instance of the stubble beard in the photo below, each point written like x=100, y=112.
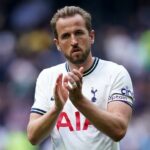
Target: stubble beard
x=78, y=59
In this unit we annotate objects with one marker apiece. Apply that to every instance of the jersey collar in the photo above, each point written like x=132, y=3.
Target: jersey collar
x=90, y=70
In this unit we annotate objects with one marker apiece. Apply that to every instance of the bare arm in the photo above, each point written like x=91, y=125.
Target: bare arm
x=113, y=121
x=40, y=126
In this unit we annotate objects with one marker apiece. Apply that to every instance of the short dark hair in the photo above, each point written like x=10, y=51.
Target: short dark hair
x=69, y=11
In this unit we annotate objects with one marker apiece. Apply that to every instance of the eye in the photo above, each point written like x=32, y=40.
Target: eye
x=79, y=33
x=65, y=36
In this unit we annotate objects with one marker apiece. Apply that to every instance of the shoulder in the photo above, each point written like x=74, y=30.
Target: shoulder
x=112, y=67
x=109, y=69
x=52, y=71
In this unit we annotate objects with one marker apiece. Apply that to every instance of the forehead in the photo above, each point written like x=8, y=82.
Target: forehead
x=70, y=22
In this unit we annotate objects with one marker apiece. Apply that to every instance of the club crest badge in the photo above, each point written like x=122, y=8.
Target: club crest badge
x=93, y=91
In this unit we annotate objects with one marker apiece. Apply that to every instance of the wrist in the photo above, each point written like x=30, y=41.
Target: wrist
x=57, y=109
x=77, y=99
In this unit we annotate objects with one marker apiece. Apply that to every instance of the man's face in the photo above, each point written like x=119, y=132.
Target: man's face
x=74, y=40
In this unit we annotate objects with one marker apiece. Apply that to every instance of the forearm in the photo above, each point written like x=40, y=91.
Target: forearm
x=109, y=123
x=39, y=128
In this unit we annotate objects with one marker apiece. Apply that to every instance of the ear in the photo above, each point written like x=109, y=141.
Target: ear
x=57, y=44
x=92, y=35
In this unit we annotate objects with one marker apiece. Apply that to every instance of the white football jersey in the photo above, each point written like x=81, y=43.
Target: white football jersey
x=103, y=83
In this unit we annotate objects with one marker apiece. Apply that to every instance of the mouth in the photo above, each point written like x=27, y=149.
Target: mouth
x=76, y=50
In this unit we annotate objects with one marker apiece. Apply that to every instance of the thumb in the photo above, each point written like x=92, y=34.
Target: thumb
x=81, y=70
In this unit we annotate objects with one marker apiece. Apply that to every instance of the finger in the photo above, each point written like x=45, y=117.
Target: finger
x=74, y=76
x=68, y=87
x=66, y=83
x=60, y=82
x=56, y=88
x=71, y=77
x=81, y=70
x=65, y=79
x=77, y=78
x=59, y=78
x=78, y=74
x=69, y=81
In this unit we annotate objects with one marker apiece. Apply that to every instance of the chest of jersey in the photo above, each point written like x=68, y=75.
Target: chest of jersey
x=96, y=91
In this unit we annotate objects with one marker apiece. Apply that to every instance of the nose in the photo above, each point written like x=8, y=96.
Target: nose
x=74, y=41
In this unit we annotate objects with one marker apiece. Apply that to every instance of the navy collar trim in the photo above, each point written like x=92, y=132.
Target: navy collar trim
x=90, y=70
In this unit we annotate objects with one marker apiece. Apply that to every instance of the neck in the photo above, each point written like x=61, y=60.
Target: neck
x=86, y=65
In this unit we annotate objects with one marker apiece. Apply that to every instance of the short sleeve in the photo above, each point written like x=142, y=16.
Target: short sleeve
x=122, y=88
x=41, y=104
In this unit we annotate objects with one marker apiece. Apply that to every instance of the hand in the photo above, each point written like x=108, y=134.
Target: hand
x=73, y=82
x=60, y=93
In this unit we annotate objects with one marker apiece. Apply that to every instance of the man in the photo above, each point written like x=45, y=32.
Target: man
x=85, y=103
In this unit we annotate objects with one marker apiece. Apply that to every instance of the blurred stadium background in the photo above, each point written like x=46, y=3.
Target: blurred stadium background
x=26, y=47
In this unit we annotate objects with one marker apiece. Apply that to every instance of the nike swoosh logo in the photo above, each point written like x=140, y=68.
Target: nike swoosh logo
x=52, y=98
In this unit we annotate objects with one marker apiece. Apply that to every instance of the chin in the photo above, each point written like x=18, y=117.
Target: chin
x=78, y=60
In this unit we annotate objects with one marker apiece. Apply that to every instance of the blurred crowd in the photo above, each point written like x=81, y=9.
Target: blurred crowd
x=26, y=47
